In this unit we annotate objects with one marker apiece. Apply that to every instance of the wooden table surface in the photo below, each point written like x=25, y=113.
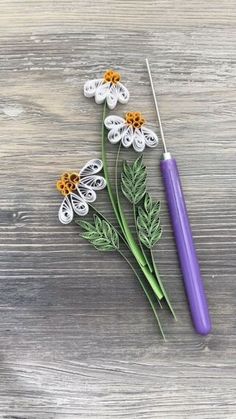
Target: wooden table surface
x=78, y=339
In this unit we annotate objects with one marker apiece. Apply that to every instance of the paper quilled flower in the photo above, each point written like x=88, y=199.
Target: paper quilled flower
x=108, y=89
x=130, y=184
x=130, y=130
x=78, y=189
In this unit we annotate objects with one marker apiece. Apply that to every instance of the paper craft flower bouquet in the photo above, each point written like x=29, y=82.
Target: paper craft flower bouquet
x=79, y=190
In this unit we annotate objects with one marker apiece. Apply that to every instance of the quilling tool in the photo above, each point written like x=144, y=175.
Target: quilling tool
x=183, y=236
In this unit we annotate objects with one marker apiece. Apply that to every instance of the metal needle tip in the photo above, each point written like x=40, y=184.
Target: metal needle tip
x=156, y=105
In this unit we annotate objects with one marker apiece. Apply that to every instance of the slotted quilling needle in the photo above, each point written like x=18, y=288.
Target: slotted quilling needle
x=183, y=235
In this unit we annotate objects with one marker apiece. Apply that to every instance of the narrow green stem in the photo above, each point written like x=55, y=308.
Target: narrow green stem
x=146, y=291
x=121, y=237
x=126, y=244
x=162, y=286
x=106, y=170
x=120, y=216
x=152, y=281
x=116, y=172
x=133, y=245
x=150, y=266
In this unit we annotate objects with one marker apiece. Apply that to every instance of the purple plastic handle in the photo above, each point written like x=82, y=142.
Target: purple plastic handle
x=185, y=246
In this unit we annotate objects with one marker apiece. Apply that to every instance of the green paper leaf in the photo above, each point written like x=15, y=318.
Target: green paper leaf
x=148, y=222
x=133, y=180
x=100, y=234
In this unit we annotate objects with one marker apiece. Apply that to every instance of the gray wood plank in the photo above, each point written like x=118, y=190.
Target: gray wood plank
x=77, y=336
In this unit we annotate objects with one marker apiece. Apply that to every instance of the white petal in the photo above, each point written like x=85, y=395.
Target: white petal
x=123, y=93
x=151, y=138
x=102, y=92
x=112, y=121
x=65, y=213
x=79, y=205
x=112, y=97
x=91, y=168
x=117, y=133
x=95, y=182
x=91, y=86
x=86, y=192
x=138, y=141
x=127, y=138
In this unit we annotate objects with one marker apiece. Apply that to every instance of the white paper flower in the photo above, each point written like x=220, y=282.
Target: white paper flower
x=79, y=189
x=130, y=131
x=109, y=88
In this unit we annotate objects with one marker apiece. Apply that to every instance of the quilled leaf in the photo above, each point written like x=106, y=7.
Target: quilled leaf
x=100, y=234
x=148, y=222
x=133, y=180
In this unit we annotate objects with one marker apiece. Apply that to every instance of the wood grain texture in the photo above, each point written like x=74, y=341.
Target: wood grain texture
x=77, y=337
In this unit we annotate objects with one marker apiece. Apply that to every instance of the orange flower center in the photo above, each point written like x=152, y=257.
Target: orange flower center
x=135, y=119
x=112, y=76
x=68, y=182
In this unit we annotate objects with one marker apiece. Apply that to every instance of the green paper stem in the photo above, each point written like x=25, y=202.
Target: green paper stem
x=130, y=239
x=106, y=172
x=132, y=243
x=120, y=216
x=152, y=281
x=162, y=286
x=115, y=205
x=147, y=274
x=147, y=293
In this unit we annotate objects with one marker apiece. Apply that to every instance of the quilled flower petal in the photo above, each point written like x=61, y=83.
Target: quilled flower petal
x=138, y=141
x=79, y=190
x=151, y=138
x=130, y=131
x=91, y=86
x=102, y=92
x=112, y=121
x=91, y=168
x=123, y=93
x=116, y=134
x=112, y=97
x=95, y=182
x=79, y=205
x=127, y=138
x=65, y=213
x=108, y=89
x=86, y=192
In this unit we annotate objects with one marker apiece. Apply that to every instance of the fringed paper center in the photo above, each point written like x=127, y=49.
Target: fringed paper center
x=112, y=77
x=135, y=119
x=68, y=182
